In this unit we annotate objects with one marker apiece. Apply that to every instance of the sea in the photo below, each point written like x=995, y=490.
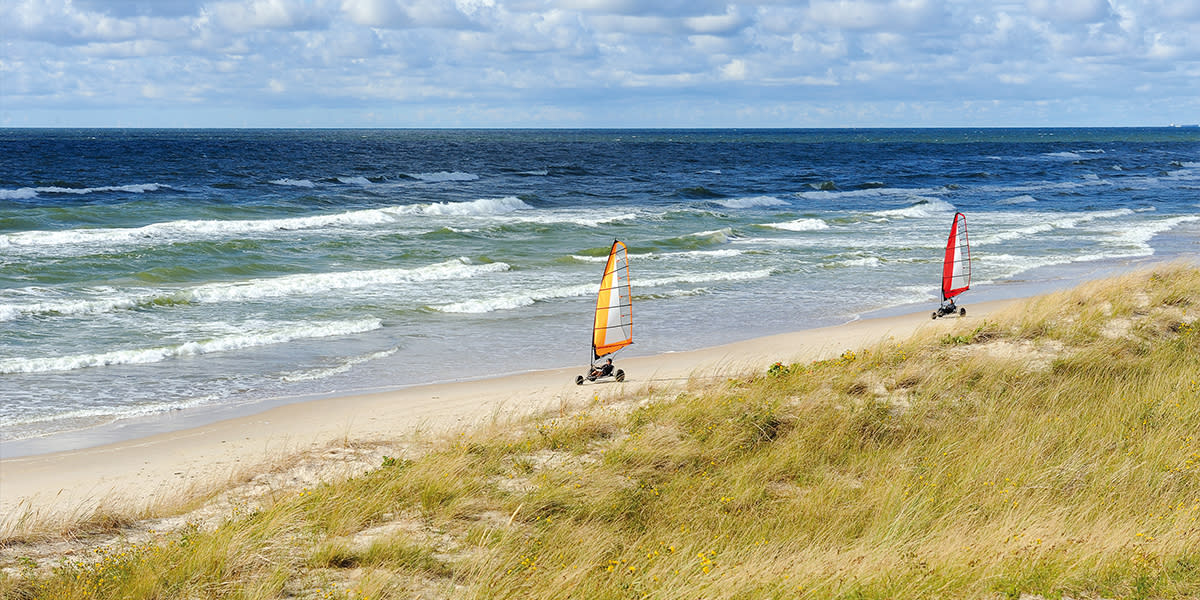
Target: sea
x=153, y=279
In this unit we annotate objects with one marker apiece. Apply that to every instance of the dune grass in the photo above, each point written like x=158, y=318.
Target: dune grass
x=1052, y=450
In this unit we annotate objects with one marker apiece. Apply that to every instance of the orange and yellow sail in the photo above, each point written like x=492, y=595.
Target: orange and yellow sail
x=613, y=327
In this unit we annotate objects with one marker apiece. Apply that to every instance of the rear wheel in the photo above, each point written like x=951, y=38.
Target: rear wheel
x=619, y=375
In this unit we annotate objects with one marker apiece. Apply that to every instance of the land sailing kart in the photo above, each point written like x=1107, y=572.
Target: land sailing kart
x=612, y=327
x=617, y=375
x=956, y=268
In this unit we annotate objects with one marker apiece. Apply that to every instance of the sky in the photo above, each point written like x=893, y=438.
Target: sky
x=599, y=63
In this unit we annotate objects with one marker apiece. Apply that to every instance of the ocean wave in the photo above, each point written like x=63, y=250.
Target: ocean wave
x=357, y=180
x=319, y=283
x=252, y=339
x=1022, y=199
x=527, y=298
x=304, y=183
x=176, y=231
x=27, y=193
x=442, y=176
x=923, y=208
x=101, y=300
x=751, y=202
x=471, y=208
x=873, y=192
x=799, y=225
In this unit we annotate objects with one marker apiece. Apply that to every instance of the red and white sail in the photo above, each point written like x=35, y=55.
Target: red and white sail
x=956, y=269
x=613, y=327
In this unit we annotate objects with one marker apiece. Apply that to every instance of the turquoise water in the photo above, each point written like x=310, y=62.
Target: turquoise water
x=149, y=273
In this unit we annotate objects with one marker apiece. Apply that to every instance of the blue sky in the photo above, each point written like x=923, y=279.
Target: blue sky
x=598, y=63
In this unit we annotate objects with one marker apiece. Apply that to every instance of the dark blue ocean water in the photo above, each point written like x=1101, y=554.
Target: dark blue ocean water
x=146, y=272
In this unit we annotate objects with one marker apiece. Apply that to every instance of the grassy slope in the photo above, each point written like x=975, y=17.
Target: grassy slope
x=1053, y=450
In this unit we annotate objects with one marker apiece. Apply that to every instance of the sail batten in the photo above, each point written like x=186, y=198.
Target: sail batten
x=613, y=326
x=956, y=267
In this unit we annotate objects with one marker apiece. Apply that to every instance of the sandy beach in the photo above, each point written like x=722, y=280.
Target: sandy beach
x=141, y=473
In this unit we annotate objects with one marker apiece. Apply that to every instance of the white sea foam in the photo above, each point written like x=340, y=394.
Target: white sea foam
x=441, y=176
x=359, y=180
x=1064, y=155
x=799, y=225
x=251, y=339
x=304, y=183
x=751, y=202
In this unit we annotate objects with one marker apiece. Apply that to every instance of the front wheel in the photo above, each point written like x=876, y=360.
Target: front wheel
x=619, y=375
x=934, y=315
x=579, y=380
x=962, y=312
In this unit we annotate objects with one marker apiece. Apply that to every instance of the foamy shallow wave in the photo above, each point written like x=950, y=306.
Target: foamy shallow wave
x=101, y=413
x=356, y=180
x=345, y=366
x=27, y=193
x=441, y=176
x=319, y=283
x=799, y=225
x=527, y=298
x=1050, y=224
x=264, y=337
x=751, y=202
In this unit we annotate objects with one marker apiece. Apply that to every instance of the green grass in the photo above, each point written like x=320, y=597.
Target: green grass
x=1052, y=450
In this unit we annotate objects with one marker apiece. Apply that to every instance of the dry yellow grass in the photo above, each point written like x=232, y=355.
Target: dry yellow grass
x=1052, y=451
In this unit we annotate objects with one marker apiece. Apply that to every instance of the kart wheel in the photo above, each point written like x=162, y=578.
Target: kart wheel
x=934, y=316
x=962, y=312
x=620, y=375
x=579, y=380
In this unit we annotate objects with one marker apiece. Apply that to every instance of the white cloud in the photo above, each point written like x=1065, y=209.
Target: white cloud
x=578, y=60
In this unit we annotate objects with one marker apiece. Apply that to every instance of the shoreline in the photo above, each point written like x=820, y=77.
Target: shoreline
x=144, y=471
